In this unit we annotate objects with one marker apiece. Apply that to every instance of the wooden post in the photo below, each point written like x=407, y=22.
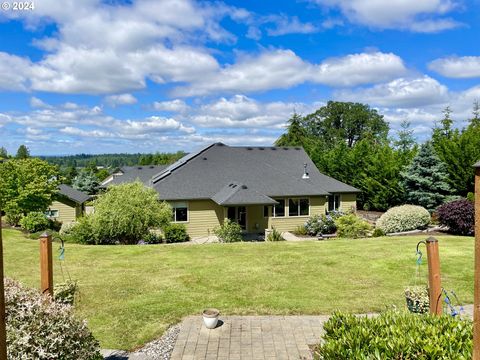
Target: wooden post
x=46, y=264
x=476, y=294
x=3, y=333
x=434, y=280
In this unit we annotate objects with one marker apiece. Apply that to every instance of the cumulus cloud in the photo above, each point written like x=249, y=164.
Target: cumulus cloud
x=401, y=92
x=14, y=72
x=426, y=16
x=285, y=25
x=284, y=69
x=177, y=106
x=457, y=67
x=120, y=99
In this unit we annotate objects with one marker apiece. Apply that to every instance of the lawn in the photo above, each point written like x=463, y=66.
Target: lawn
x=131, y=294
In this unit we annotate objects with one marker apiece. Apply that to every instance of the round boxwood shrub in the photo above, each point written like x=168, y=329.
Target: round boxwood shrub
x=458, y=215
x=403, y=218
x=34, y=221
x=175, y=233
x=38, y=328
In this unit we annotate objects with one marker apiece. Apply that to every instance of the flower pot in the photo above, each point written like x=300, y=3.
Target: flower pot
x=210, y=318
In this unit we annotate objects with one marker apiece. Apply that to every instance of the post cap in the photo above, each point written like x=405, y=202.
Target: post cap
x=431, y=239
x=44, y=235
x=477, y=165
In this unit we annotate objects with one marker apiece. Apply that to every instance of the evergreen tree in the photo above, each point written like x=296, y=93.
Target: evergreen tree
x=426, y=180
x=22, y=152
x=3, y=153
x=295, y=135
x=86, y=181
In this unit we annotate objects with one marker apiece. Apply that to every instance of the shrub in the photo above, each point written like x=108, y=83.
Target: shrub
x=471, y=196
x=459, y=216
x=229, y=231
x=34, y=221
x=404, y=218
x=300, y=230
x=66, y=228
x=352, y=226
x=275, y=235
x=395, y=335
x=175, y=233
x=38, y=328
x=81, y=232
x=322, y=224
x=13, y=215
x=54, y=225
x=152, y=238
x=378, y=232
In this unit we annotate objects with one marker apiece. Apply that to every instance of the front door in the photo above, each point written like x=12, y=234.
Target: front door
x=239, y=215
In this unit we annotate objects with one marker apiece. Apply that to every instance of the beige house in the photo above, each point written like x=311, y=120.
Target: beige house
x=258, y=187
x=68, y=205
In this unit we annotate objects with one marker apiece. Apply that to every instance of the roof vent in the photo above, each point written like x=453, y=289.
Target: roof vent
x=273, y=148
x=139, y=168
x=249, y=148
x=297, y=148
x=151, y=167
x=204, y=158
x=285, y=148
x=244, y=187
x=261, y=148
x=305, y=173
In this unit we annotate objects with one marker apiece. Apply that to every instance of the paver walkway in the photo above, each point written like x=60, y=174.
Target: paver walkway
x=249, y=337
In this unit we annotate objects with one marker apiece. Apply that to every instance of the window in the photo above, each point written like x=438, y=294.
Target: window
x=279, y=209
x=333, y=202
x=179, y=211
x=298, y=207
x=265, y=211
x=51, y=213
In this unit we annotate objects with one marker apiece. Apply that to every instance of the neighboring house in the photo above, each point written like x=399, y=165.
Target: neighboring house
x=258, y=187
x=69, y=204
x=126, y=174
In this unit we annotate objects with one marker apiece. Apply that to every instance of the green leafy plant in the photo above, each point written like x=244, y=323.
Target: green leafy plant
x=417, y=298
x=65, y=292
x=300, y=230
x=378, y=232
x=34, y=221
x=395, y=335
x=38, y=328
x=351, y=226
x=403, y=218
x=152, y=238
x=229, y=231
x=275, y=235
x=175, y=233
x=322, y=224
x=81, y=232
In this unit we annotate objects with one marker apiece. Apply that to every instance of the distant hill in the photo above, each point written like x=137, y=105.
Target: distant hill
x=113, y=160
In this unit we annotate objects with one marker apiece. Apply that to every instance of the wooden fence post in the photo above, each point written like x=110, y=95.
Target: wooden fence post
x=476, y=294
x=3, y=333
x=434, y=279
x=46, y=264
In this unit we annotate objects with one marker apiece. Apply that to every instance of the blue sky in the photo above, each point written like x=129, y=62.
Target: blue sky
x=142, y=76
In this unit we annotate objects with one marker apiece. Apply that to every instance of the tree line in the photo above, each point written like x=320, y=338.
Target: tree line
x=351, y=142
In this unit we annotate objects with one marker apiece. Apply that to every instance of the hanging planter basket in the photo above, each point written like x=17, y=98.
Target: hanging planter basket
x=417, y=299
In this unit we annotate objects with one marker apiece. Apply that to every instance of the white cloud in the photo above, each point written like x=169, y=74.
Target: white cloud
x=177, y=105
x=285, y=25
x=37, y=103
x=414, y=15
x=121, y=99
x=284, y=69
x=14, y=72
x=457, y=67
x=402, y=92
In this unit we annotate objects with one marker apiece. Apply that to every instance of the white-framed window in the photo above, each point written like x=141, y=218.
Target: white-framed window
x=51, y=213
x=279, y=209
x=334, y=202
x=299, y=207
x=179, y=211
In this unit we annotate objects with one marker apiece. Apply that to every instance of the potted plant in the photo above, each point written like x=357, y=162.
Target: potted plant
x=210, y=318
x=417, y=299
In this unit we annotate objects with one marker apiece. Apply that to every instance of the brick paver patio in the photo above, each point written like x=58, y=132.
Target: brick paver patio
x=249, y=337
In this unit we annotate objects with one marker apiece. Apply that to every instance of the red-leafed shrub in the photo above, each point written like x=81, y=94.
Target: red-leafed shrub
x=458, y=215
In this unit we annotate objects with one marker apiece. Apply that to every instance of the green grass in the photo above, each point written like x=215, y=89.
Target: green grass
x=131, y=294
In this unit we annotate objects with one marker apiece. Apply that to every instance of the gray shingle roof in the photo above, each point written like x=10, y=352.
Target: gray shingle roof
x=270, y=171
x=73, y=194
x=144, y=173
x=240, y=194
x=477, y=164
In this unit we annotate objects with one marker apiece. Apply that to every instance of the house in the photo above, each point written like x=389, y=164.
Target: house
x=68, y=205
x=132, y=173
x=258, y=187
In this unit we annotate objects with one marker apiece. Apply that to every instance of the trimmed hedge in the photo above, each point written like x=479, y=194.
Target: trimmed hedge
x=395, y=335
x=403, y=218
x=175, y=233
x=459, y=216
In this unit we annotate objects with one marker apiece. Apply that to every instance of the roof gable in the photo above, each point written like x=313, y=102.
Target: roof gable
x=73, y=194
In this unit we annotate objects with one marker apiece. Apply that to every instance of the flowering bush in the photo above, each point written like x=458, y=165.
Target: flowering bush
x=458, y=215
x=403, y=218
x=321, y=224
x=38, y=328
